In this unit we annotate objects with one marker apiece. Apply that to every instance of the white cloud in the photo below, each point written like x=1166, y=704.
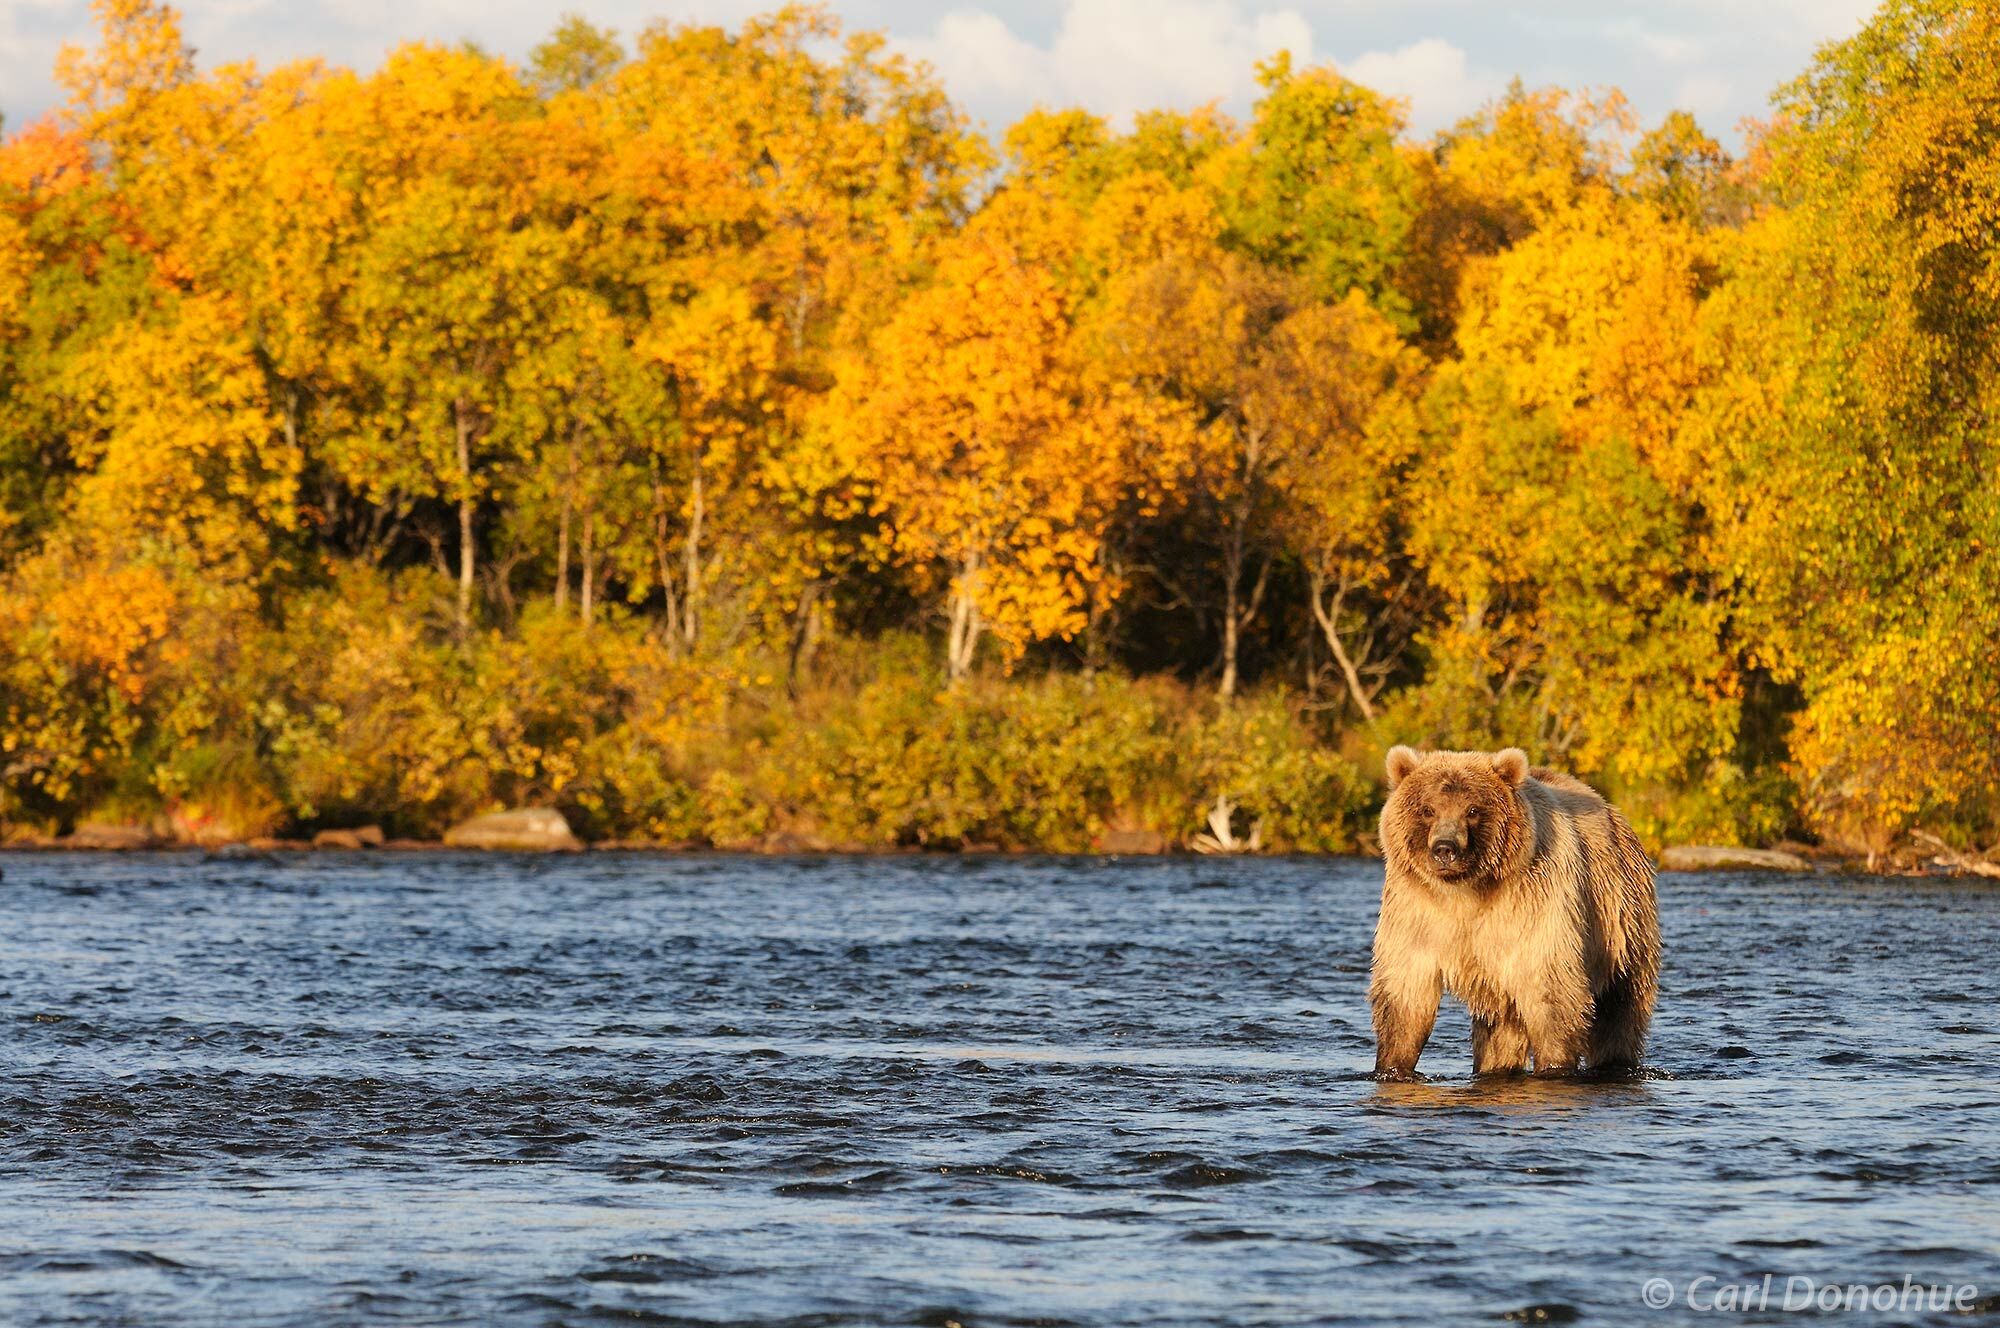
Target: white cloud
x=1284, y=30
x=1824, y=18
x=1114, y=57
x=1432, y=75
x=1704, y=94
x=1672, y=49
x=1666, y=47
x=977, y=56
x=1719, y=58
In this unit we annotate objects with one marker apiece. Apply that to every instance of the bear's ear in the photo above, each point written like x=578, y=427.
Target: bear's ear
x=1511, y=765
x=1402, y=760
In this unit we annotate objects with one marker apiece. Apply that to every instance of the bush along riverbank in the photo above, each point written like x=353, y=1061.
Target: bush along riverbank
x=374, y=727
x=362, y=725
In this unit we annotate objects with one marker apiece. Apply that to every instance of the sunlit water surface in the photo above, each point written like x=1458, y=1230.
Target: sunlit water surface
x=421, y=1089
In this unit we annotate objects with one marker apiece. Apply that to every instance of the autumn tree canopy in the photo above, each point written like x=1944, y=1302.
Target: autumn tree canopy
x=672, y=368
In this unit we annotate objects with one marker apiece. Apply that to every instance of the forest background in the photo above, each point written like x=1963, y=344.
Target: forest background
x=718, y=440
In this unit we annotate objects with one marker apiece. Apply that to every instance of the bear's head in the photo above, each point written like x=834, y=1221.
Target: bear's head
x=1455, y=817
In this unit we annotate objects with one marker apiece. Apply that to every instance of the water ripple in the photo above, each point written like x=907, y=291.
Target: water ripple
x=703, y=1090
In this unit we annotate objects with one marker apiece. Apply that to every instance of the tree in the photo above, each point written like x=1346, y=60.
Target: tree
x=182, y=443
x=785, y=200
x=1489, y=181
x=1317, y=186
x=1343, y=384
x=1194, y=327
x=1559, y=508
x=1850, y=422
x=719, y=358
x=969, y=427
x=60, y=257
x=594, y=414
x=447, y=273
x=1271, y=391
x=139, y=63
x=1685, y=173
x=576, y=55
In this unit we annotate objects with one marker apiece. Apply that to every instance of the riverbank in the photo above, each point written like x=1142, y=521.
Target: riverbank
x=876, y=754
x=1811, y=860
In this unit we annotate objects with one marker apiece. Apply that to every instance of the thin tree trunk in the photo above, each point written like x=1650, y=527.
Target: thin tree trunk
x=691, y=592
x=562, y=554
x=963, y=637
x=1228, y=687
x=805, y=636
x=1232, y=620
x=801, y=309
x=1329, y=626
x=500, y=579
x=587, y=600
x=1238, y=613
x=562, y=527
x=462, y=427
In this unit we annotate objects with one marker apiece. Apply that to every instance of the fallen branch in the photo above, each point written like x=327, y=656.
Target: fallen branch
x=1222, y=839
x=1947, y=856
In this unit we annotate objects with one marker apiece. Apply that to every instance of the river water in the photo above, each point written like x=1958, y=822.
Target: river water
x=439, y=1089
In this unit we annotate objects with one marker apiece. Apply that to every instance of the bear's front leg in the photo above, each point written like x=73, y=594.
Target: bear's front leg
x=1405, y=1006
x=1499, y=1046
x=1557, y=1028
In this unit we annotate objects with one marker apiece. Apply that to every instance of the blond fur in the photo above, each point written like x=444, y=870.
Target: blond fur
x=1551, y=938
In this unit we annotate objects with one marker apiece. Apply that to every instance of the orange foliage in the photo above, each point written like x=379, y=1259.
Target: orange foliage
x=640, y=378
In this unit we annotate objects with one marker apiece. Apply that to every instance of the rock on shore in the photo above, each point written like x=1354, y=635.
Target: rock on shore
x=1134, y=842
x=368, y=836
x=523, y=830
x=1714, y=857
x=111, y=837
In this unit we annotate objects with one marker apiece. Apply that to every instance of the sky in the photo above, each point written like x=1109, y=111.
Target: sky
x=1720, y=59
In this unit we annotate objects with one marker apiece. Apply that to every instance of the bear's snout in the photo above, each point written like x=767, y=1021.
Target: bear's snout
x=1448, y=844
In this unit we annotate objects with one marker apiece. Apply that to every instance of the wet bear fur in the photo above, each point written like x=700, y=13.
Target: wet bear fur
x=1527, y=896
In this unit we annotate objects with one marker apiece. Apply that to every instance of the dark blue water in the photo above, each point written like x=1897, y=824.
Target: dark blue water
x=424, y=1089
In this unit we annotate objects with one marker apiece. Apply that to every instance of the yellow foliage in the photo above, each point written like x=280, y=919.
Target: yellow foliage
x=395, y=442
x=104, y=623
x=185, y=444
x=969, y=426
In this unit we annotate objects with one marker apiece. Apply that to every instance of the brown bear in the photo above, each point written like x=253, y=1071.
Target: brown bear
x=1527, y=896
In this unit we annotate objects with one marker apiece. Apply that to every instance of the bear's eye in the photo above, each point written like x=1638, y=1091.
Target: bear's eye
x=1429, y=811
x=1472, y=815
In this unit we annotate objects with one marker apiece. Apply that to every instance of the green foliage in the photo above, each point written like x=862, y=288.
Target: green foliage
x=1852, y=413
x=575, y=56
x=1319, y=188
x=369, y=712
x=1727, y=805
x=1052, y=763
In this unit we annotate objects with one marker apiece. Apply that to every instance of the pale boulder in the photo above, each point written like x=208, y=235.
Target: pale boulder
x=1134, y=842
x=524, y=830
x=1715, y=857
x=367, y=836
x=111, y=837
